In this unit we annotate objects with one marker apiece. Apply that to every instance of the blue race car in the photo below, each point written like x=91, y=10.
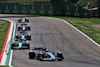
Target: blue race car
x=20, y=44
x=23, y=20
x=43, y=54
x=23, y=35
x=24, y=27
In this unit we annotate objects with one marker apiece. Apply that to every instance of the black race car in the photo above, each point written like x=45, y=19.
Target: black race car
x=43, y=54
x=20, y=44
x=24, y=27
x=23, y=20
x=23, y=35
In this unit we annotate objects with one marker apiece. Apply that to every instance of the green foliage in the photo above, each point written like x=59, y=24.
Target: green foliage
x=73, y=1
x=4, y=66
x=68, y=2
x=93, y=3
x=99, y=4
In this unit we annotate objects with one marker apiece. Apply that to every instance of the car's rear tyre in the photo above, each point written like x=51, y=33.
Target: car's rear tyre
x=28, y=37
x=31, y=55
x=12, y=45
x=18, y=28
x=41, y=59
x=29, y=28
x=27, y=20
x=59, y=59
x=19, y=21
x=60, y=56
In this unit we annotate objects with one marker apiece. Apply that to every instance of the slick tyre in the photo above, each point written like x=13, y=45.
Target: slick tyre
x=12, y=46
x=41, y=59
x=31, y=55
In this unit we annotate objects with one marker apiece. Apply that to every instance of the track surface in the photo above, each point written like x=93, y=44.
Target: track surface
x=56, y=35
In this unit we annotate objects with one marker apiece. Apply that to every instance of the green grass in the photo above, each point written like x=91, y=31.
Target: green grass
x=4, y=66
x=85, y=25
x=3, y=31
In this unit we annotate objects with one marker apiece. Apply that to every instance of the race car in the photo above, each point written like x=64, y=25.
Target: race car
x=24, y=27
x=43, y=54
x=23, y=20
x=20, y=44
x=23, y=35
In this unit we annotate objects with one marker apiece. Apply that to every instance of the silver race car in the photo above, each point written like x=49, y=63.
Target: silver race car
x=23, y=35
x=23, y=20
x=43, y=54
x=20, y=44
x=24, y=27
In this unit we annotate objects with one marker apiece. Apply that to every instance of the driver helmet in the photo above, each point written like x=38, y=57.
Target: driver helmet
x=20, y=40
x=47, y=50
x=44, y=49
x=18, y=35
x=59, y=52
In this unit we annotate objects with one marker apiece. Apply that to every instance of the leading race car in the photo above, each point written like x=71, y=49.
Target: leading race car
x=24, y=27
x=20, y=44
x=23, y=35
x=23, y=20
x=43, y=54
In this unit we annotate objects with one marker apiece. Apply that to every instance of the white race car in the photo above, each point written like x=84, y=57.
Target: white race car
x=45, y=55
x=23, y=20
x=24, y=27
x=23, y=35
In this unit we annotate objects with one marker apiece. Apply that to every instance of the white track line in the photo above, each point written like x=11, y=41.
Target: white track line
x=78, y=30
x=12, y=50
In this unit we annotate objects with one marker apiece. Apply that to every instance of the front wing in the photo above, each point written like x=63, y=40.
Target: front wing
x=17, y=46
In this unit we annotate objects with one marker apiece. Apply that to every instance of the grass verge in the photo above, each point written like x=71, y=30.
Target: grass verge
x=4, y=66
x=3, y=31
x=85, y=25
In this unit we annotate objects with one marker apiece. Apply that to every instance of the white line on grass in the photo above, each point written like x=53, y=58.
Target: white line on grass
x=78, y=31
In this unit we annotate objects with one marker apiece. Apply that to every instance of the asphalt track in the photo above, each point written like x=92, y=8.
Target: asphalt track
x=57, y=36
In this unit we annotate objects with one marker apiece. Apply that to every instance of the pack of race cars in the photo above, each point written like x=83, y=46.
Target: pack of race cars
x=22, y=36
x=22, y=42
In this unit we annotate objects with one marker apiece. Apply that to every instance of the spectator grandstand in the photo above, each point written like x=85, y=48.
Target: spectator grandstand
x=40, y=7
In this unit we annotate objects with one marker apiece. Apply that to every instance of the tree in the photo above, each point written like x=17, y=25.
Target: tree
x=57, y=1
x=99, y=4
x=99, y=8
x=69, y=2
x=73, y=1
